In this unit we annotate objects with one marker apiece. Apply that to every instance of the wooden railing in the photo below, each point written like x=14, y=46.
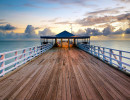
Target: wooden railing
x=13, y=59
x=118, y=58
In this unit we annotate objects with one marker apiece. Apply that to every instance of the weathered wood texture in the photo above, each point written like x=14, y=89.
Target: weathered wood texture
x=62, y=74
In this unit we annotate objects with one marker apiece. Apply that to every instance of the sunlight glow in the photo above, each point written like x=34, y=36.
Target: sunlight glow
x=123, y=35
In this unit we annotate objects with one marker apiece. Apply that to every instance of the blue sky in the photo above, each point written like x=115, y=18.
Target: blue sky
x=58, y=14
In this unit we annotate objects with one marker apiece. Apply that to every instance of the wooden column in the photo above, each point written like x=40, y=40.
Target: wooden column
x=55, y=41
x=74, y=41
x=61, y=42
x=69, y=43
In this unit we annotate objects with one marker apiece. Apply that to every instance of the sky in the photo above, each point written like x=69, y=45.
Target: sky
x=107, y=19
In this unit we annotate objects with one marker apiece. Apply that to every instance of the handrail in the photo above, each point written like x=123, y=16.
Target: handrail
x=20, y=56
x=117, y=58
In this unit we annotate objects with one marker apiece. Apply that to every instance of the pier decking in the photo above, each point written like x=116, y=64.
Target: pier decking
x=62, y=74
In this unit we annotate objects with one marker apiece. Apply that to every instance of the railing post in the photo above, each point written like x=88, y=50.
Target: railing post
x=24, y=54
x=98, y=52
x=16, y=58
x=91, y=49
x=94, y=51
x=2, y=64
x=42, y=48
x=110, y=51
x=120, y=59
x=30, y=53
x=37, y=53
x=103, y=54
x=34, y=52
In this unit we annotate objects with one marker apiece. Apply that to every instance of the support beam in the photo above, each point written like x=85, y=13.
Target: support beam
x=61, y=42
x=56, y=42
x=69, y=43
x=74, y=41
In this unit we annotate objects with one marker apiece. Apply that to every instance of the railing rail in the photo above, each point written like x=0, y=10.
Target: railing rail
x=13, y=59
x=117, y=58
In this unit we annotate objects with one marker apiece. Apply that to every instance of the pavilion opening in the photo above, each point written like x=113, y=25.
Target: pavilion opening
x=65, y=39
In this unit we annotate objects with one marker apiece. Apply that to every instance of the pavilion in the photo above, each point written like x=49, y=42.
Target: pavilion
x=66, y=35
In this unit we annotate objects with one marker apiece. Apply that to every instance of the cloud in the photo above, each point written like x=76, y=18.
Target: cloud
x=2, y=19
x=123, y=1
x=3, y=22
x=124, y=17
x=36, y=28
x=65, y=2
x=7, y=27
x=95, y=20
x=53, y=20
x=46, y=32
x=30, y=32
x=105, y=11
x=31, y=5
x=127, y=31
x=91, y=20
x=65, y=22
x=89, y=32
x=109, y=30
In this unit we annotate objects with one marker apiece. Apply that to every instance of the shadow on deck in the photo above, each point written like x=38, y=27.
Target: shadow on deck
x=62, y=74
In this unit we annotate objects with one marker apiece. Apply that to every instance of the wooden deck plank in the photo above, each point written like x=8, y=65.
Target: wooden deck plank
x=68, y=88
x=17, y=78
x=78, y=77
x=75, y=92
x=107, y=79
x=63, y=74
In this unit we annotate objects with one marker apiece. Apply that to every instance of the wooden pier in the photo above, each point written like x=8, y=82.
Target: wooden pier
x=62, y=74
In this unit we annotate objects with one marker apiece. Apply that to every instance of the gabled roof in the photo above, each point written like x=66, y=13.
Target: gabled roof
x=64, y=34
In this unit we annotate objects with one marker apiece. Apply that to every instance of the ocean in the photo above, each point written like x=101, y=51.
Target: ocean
x=9, y=45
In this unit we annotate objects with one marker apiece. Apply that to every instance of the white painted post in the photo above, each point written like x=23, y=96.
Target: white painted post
x=30, y=53
x=120, y=59
x=16, y=58
x=34, y=52
x=94, y=51
x=91, y=49
x=24, y=53
x=98, y=52
x=110, y=51
x=103, y=53
x=2, y=64
x=37, y=51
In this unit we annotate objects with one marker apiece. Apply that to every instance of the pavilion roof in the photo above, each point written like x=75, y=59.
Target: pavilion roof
x=65, y=34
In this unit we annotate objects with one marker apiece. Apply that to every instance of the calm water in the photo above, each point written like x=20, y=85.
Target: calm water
x=114, y=44
x=9, y=45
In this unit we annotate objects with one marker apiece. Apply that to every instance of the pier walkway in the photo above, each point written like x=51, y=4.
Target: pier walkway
x=62, y=74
